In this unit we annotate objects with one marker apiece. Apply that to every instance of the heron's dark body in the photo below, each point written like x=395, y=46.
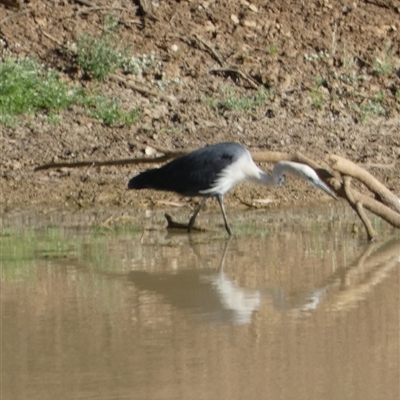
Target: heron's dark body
x=191, y=173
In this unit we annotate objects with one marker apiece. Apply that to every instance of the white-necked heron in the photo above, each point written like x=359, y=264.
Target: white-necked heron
x=214, y=170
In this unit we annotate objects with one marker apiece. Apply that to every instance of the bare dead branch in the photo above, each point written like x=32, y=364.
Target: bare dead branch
x=347, y=167
x=210, y=49
x=84, y=3
x=226, y=69
x=147, y=9
x=126, y=161
x=15, y=15
x=11, y=3
x=345, y=170
x=358, y=208
x=367, y=223
x=377, y=208
x=142, y=90
x=236, y=71
x=270, y=156
x=99, y=8
x=380, y=3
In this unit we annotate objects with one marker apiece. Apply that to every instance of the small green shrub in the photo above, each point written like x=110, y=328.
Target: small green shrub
x=320, y=81
x=231, y=102
x=109, y=112
x=384, y=65
x=26, y=87
x=99, y=57
x=373, y=106
x=273, y=50
x=317, y=98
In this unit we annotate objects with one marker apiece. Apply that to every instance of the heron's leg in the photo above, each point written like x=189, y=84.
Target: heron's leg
x=220, y=199
x=194, y=215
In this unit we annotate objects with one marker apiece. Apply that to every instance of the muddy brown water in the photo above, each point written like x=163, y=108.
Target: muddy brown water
x=294, y=306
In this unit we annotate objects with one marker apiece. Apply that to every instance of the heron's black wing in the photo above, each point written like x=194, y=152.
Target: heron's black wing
x=191, y=173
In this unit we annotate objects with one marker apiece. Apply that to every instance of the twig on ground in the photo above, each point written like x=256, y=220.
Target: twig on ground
x=380, y=3
x=81, y=164
x=84, y=3
x=225, y=69
x=50, y=37
x=15, y=15
x=92, y=9
x=210, y=49
x=245, y=202
x=234, y=70
x=142, y=90
x=147, y=9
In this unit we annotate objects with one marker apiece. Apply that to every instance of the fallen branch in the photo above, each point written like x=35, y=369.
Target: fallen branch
x=142, y=90
x=14, y=15
x=225, y=68
x=384, y=205
x=377, y=208
x=80, y=164
x=358, y=208
x=210, y=49
x=146, y=8
x=349, y=168
x=236, y=71
x=84, y=3
x=99, y=8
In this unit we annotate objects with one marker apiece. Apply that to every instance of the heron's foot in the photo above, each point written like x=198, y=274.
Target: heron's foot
x=172, y=224
x=228, y=229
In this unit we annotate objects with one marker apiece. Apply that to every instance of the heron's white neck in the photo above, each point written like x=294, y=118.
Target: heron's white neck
x=280, y=169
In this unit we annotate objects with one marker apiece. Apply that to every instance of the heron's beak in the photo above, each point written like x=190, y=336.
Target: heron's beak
x=325, y=188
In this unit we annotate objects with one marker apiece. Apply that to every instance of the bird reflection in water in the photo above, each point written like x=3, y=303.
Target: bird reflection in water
x=214, y=297
x=209, y=294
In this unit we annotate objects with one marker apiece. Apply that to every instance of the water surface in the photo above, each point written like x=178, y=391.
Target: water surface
x=108, y=307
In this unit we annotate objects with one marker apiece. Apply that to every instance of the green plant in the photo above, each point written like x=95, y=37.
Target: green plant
x=99, y=57
x=384, y=65
x=317, y=98
x=109, y=112
x=53, y=119
x=316, y=57
x=231, y=102
x=273, y=49
x=320, y=81
x=139, y=64
x=373, y=106
x=348, y=60
x=26, y=87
